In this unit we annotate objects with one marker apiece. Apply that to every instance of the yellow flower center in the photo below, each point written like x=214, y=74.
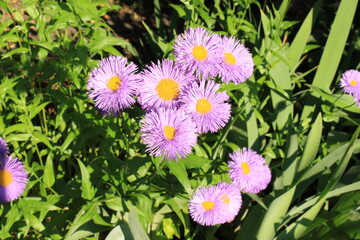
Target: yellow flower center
x=114, y=83
x=208, y=205
x=167, y=89
x=353, y=83
x=5, y=178
x=203, y=106
x=230, y=59
x=245, y=167
x=169, y=132
x=225, y=199
x=200, y=53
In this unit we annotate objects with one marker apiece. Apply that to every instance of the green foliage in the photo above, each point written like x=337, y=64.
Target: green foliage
x=89, y=175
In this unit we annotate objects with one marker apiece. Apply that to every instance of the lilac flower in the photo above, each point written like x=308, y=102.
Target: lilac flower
x=13, y=178
x=197, y=50
x=215, y=204
x=206, y=106
x=161, y=85
x=350, y=82
x=236, y=63
x=357, y=100
x=230, y=196
x=168, y=133
x=248, y=171
x=4, y=150
x=206, y=207
x=112, y=85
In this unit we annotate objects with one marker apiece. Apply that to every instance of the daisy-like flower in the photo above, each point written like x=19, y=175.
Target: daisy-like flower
x=168, y=133
x=357, y=100
x=161, y=85
x=230, y=196
x=4, y=150
x=350, y=82
x=112, y=85
x=206, y=106
x=206, y=207
x=13, y=178
x=215, y=204
x=248, y=171
x=198, y=50
x=236, y=64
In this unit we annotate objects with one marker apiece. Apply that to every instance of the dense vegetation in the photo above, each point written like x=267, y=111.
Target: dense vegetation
x=90, y=176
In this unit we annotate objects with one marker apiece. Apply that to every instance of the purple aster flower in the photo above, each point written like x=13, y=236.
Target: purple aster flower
x=236, y=64
x=215, y=204
x=206, y=106
x=357, y=100
x=197, y=50
x=168, y=133
x=112, y=85
x=161, y=85
x=13, y=178
x=230, y=196
x=206, y=207
x=4, y=150
x=350, y=82
x=248, y=171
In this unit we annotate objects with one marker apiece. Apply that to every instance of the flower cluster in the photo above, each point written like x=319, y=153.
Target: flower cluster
x=181, y=97
x=221, y=203
x=350, y=82
x=13, y=177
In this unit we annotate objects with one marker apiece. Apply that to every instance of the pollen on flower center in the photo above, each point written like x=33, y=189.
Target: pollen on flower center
x=245, y=167
x=167, y=89
x=200, y=53
x=208, y=205
x=353, y=83
x=225, y=199
x=203, y=106
x=5, y=178
x=169, y=132
x=230, y=59
x=114, y=83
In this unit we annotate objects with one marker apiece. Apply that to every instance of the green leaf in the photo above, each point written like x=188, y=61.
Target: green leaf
x=178, y=9
x=115, y=234
x=343, y=101
x=86, y=10
x=336, y=192
x=312, y=144
x=136, y=228
x=298, y=45
x=252, y=127
x=100, y=43
x=49, y=174
x=35, y=109
x=85, y=214
x=40, y=137
x=12, y=216
x=333, y=51
x=290, y=163
x=179, y=170
x=36, y=223
x=7, y=85
x=20, y=50
x=281, y=95
x=274, y=215
x=121, y=230
x=88, y=192
x=297, y=228
x=193, y=161
x=69, y=139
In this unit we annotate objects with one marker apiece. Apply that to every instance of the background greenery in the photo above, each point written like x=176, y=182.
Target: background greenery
x=89, y=176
